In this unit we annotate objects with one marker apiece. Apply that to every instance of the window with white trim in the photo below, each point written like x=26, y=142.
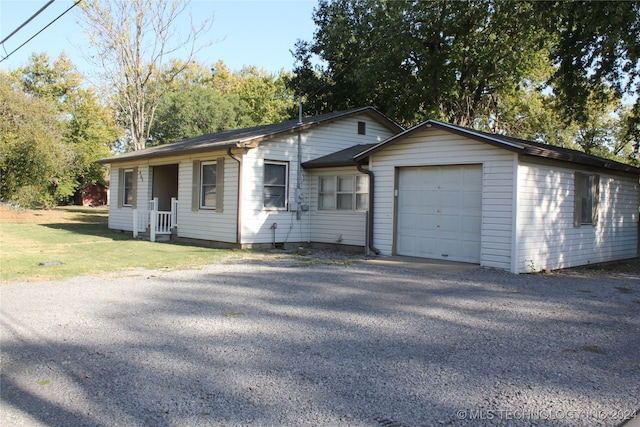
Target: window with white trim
x=208, y=184
x=327, y=192
x=343, y=192
x=127, y=187
x=274, y=190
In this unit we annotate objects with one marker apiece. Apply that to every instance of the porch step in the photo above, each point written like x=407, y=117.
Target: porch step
x=145, y=235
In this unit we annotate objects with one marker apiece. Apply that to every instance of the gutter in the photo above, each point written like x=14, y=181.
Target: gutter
x=370, y=213
x=239, y=202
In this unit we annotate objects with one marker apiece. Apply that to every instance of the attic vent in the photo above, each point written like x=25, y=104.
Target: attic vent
x=362, y=128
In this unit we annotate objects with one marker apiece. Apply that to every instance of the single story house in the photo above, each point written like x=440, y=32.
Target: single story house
x=358, y=180
x=245, y=188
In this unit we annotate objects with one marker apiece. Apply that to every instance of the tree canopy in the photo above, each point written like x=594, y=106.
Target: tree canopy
x=53, y=131
x=133, y=40
x=215, y=99
x=538, y=70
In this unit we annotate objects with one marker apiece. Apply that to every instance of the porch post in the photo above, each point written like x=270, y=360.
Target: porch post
x=153, y=219
x=174, y=212
x=135, y=223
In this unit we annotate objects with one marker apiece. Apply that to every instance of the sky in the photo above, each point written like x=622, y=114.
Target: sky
x=245, y=32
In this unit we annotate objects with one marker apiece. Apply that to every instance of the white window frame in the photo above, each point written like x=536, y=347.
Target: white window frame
x=365, y=178
x=285, y=202
x=202, y=185
x=124, y=187
x=333, y=193
x=328, y=194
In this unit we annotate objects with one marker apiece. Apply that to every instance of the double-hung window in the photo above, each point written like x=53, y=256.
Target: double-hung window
x=127, y=187
x=585, y=209
x=274, y=190
x=327, y=192
x=343, y=192
x=127, y=184
x=208, y=182
x=208, y=185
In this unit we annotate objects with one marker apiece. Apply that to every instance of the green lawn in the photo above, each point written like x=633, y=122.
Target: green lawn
x=79, y=239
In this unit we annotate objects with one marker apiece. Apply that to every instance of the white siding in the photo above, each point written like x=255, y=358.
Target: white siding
x=207, y=224
x=121, y=218
x=256, y=222
x=547, y=238
x=334, y=226
x=437, y=147
x=316, y=142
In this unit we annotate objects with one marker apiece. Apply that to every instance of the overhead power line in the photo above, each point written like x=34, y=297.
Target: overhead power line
x=27, y=21
x=43, y=28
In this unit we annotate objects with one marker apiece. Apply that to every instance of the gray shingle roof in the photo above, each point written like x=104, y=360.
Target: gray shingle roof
x=521, y=146
x=248, y=137
x=339, y=158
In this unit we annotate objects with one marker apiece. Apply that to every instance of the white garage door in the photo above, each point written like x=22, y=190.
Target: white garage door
x=440, y=212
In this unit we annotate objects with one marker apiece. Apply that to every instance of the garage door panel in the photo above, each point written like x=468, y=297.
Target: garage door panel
x=472, y=199
x=425, y=246
x=449, y=224
x=471, y=225
x=450, y=204
x=445, y=203
x=409, y=222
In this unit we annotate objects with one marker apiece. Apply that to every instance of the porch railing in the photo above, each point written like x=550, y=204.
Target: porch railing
x=157, y=222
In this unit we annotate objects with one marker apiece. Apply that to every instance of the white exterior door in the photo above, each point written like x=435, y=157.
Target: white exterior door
x=439, y=212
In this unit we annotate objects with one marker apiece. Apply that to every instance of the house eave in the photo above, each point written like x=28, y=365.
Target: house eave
x=524, y=148
x=250, y=141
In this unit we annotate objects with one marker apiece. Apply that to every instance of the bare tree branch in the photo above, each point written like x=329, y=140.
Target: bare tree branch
x=133, y=40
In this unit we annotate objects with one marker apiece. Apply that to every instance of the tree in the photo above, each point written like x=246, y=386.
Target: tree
x=196, y=110
x=89, y=127
x=596, y=50
x=91, y=131
x=33, y=156
x=206, y=100
x=549, y=71
x=49, y=154
x=265, y=96
x=133, y=39
x=418, y=59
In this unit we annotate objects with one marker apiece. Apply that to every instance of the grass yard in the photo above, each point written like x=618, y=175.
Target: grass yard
x=73, y=241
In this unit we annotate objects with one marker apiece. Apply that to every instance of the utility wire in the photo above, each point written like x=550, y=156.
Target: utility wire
x=43, y=28
x=27, y=21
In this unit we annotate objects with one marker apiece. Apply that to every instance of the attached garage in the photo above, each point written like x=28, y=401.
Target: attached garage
x=447, y=192
x=439, y=212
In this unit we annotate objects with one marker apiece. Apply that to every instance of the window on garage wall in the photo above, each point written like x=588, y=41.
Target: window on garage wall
x=585, y=208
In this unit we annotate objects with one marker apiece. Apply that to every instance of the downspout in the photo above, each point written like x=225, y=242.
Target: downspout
x=299, y=178
x=370, y=213
x=239, y=204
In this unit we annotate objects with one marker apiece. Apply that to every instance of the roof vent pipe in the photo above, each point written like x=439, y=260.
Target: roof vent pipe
x=370, y=213
x=300, y=110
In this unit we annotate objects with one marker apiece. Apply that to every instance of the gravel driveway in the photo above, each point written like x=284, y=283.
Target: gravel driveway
x=288, y=341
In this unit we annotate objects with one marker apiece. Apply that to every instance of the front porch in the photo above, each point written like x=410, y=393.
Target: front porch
x=154, y=223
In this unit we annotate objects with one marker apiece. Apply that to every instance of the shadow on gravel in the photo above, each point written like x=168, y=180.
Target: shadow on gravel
x=322, y=345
